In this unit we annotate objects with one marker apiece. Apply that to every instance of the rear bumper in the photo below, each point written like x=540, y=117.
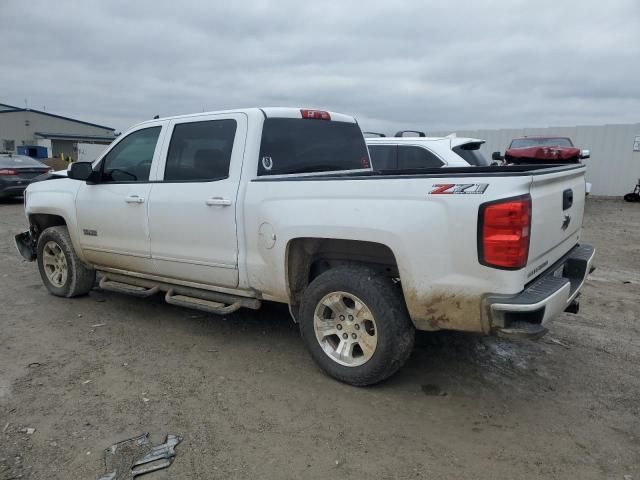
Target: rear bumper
x=553, y=292
x=9, y=190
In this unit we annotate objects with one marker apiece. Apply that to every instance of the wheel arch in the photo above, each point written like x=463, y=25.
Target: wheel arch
x=41, y=221
x=308, y=257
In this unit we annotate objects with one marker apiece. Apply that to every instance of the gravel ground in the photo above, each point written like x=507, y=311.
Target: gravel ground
x=88, y=372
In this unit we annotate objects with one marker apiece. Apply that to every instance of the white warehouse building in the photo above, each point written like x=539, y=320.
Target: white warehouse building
x=41, y=134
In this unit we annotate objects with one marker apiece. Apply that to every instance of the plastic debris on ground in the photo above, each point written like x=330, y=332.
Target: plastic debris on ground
x=137, y=456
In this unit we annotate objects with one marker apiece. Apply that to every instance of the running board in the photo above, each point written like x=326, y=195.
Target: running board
x=196, y=298
x=201, y=304
x=120, y=287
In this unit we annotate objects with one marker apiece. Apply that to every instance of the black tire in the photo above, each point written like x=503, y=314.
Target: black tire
x=632, y=197
x=394, y=330
x=80, y=279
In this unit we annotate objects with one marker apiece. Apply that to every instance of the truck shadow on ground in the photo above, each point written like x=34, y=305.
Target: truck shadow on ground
x=441, y=361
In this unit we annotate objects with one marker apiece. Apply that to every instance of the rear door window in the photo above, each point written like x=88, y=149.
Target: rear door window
x=293, y=145
x=384, y=157
x=410, y=157
x=200, y=151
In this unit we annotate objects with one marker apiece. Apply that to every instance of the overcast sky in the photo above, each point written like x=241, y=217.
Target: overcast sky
x=428, y=65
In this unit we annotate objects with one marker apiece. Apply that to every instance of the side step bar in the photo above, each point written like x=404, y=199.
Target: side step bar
x=203, y=300
x=200, y=304
x=121, y=287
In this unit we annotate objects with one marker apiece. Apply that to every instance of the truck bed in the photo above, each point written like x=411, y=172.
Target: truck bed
x=433, y=237
x=488, y=171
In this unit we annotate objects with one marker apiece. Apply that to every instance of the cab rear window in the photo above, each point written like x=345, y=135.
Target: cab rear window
x=294, y=145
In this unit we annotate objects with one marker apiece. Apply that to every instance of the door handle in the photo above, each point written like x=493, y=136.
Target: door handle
x=218, y=201
x=134, y=199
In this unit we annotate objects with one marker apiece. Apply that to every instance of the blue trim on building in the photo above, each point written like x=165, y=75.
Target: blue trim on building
x=55, y=116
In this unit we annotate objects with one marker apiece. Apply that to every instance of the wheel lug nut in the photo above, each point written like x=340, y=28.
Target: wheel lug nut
x=345, y=335
x=341, y=317
x=354, y=336
x=357, y=326
x=350, y=317
x=339, y=327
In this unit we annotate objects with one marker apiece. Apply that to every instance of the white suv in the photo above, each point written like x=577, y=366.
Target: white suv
x=406, y=153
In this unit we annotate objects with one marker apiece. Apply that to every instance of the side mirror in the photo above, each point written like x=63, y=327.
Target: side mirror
x=496, y=156
x=585, y=154
x=80, y=171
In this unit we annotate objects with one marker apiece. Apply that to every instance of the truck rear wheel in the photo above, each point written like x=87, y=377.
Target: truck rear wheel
x=62, y=272
x=355, y=324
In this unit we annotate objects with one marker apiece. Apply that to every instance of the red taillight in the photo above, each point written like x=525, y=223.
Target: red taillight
x=8, y=171
x=504, y=229
x=315, y=114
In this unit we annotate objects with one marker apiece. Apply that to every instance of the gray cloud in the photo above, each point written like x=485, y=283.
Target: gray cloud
x=427, y=65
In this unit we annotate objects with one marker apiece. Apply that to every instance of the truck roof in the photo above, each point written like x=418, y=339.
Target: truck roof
x=268, y=112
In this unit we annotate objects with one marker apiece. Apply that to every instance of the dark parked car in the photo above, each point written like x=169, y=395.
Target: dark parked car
x=16, y=172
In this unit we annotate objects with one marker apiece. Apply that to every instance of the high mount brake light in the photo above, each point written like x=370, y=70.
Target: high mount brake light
x=315, y=114
x=504, y=230
x=8, y=171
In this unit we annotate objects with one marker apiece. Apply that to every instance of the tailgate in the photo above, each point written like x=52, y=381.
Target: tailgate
x=557, y=201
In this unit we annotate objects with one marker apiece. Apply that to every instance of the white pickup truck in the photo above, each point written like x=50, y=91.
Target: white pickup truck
x=228, y=209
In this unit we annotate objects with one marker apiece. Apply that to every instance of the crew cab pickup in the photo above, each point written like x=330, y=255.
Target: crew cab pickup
x=230, y=209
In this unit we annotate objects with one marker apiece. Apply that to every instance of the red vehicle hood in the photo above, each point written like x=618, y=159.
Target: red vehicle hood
x=544, y=153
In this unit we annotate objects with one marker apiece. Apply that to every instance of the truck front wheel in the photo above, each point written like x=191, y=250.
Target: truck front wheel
x=62, y=272
x=355, y=324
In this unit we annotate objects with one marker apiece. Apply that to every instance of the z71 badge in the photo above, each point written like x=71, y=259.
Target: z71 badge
x=459, y=188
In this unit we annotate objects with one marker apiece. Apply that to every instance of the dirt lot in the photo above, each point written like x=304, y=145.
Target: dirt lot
x=88, y=372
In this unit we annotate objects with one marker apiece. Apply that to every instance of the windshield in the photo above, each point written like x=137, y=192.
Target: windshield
x=541, y=142
x=295, y=145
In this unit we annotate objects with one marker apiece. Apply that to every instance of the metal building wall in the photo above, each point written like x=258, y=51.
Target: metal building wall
x=64, y=147
x=613, y=169
x=22, y=125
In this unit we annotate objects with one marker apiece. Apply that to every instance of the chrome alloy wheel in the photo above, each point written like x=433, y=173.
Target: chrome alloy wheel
x=55, y=264
x=345, y=329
